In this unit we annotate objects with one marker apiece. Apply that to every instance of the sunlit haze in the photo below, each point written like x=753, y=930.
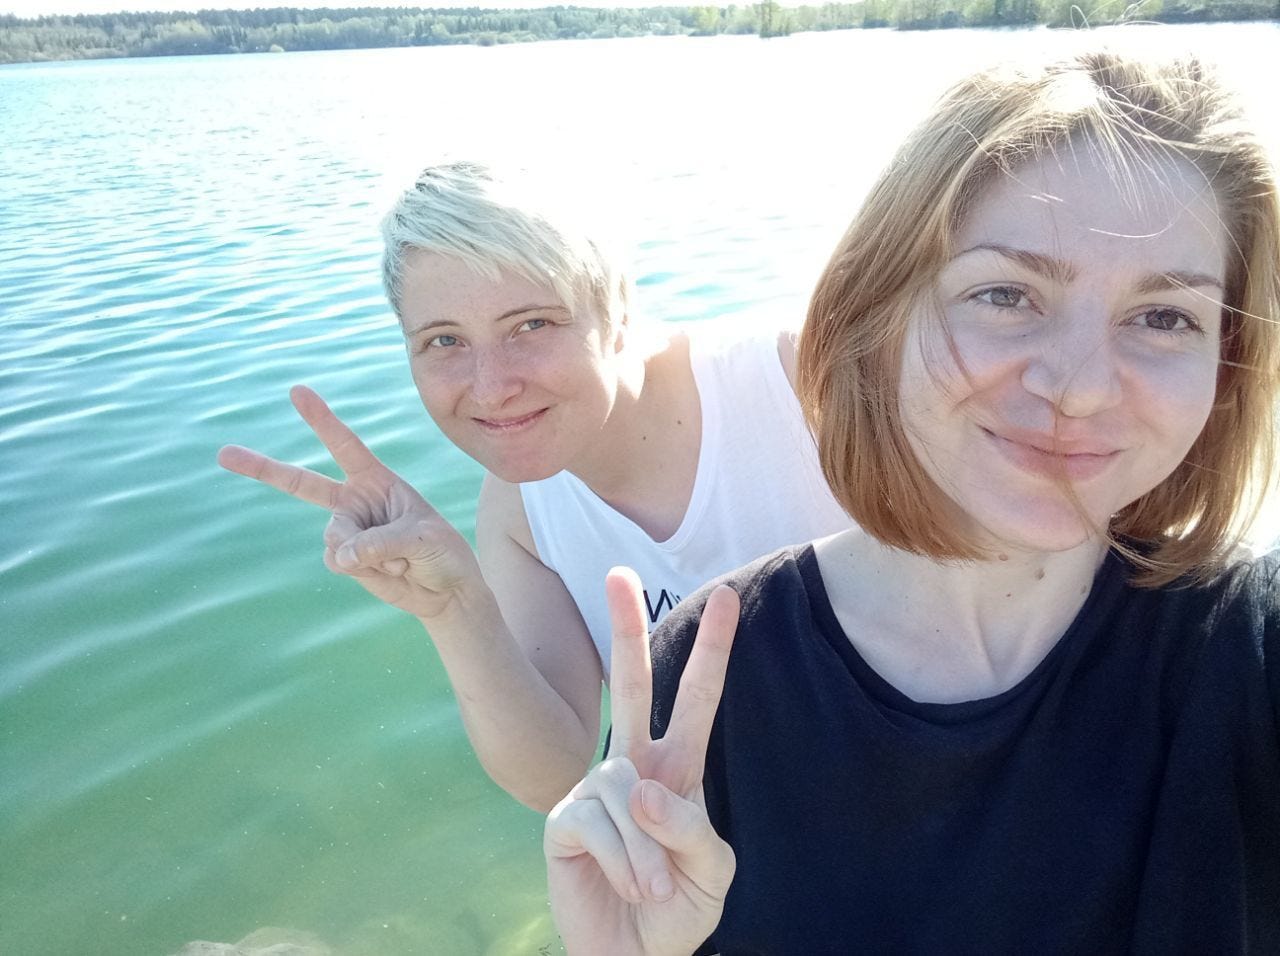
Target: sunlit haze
x=41, y=8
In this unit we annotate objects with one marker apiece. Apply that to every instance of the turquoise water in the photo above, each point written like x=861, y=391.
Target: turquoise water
x=202, y=732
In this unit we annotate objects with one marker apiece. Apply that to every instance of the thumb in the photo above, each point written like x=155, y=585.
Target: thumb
x=384, y=547
x=683, y=828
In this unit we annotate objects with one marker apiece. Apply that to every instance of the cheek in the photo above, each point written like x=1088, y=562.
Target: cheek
x=978, y=358
x=939, y=372
x=1178, y=393
x=559, y=373
x=438, y=387
x=928, y=387
x=1207, y=391
x=578, y=370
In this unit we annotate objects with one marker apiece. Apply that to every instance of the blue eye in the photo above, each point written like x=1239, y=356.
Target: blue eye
x=1003, y=297
x=442, y=341
x=530, y=325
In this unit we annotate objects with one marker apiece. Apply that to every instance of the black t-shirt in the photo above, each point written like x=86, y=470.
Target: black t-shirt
x=1123, y=797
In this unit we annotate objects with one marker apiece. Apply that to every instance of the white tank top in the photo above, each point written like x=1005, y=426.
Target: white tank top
x=758, y=488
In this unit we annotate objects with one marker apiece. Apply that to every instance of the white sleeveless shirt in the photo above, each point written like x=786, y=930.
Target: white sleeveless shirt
x=758, y=487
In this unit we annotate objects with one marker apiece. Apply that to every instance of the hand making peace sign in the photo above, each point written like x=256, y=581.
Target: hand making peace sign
x=382, y=532
x=633, y=863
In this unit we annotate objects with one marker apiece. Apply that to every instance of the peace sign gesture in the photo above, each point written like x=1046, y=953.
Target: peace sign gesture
x=633, y=863
x=382, y=532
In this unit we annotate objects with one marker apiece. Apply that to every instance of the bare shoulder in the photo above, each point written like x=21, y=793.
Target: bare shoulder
x=500, y=517
x=665, y=351
x=728, y=331
x=787, y=339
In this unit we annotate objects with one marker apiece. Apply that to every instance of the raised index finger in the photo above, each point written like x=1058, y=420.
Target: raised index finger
x=302, y=483
x=348, y=451
x=631, y=675
x=702, y=682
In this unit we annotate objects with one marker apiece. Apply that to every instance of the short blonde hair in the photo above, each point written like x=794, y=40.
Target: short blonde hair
x=465, y=211
x=850, y=356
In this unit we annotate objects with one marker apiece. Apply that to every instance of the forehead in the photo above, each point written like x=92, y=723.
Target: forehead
x=1148, y=215
x=437, y=283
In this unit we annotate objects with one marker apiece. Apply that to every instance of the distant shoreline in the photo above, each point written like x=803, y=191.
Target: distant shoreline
x=283, y=29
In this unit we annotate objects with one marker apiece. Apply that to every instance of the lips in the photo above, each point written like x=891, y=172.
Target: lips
x=1040, y=455
x=509, y=424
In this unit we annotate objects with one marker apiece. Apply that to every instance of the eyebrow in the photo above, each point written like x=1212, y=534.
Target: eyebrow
x=1062, y=271
x=1056, y=269
x=518, y=310
x=1178, y=280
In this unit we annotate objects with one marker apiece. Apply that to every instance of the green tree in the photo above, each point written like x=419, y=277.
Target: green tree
x=707, y=21
x=876, y=13
x=771, y=20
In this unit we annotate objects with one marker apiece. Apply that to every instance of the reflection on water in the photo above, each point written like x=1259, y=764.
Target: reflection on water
x=202, y=733
x=268, y=941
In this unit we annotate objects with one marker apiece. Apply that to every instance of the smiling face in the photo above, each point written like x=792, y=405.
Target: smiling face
x=506, y=371
x=1076, y=358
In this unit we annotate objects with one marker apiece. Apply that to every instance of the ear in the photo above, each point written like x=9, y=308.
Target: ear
x=620, y=333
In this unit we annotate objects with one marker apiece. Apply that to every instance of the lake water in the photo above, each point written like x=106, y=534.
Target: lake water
x=202, y=732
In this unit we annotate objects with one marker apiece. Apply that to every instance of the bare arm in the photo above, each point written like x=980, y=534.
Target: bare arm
x=384, y=534
x=531, y=705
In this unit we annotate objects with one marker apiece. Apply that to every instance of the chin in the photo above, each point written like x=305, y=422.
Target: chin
x=516, y=473
x=1042, y=530
x=1047, y=543
x=512, y=465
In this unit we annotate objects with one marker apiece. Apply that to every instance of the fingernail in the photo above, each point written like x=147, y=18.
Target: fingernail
x=661, y=888
x=654, y=801
x=346, y=557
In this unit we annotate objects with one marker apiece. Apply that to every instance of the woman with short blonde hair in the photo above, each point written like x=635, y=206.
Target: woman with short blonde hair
x=602, y=441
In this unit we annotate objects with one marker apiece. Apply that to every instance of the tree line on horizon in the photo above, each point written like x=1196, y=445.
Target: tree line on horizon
x=98, y=36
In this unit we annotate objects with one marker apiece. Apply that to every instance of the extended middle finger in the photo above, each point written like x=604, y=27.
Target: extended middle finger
x=702, y=682
x=350, y=453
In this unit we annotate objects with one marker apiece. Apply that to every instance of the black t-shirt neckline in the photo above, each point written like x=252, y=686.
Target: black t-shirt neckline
x=1107, y=585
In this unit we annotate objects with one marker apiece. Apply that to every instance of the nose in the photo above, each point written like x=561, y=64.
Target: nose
x=1075, y=372
x=495, y=379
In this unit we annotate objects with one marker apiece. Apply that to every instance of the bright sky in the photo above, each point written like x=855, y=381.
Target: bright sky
x=40, y=8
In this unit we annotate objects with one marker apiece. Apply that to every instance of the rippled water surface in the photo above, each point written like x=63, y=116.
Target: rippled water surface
x=202, y=732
